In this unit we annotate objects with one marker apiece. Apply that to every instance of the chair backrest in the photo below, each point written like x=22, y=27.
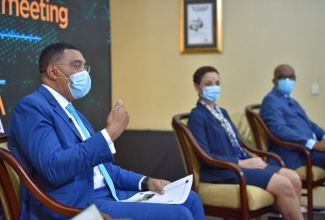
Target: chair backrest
x=259, y=129
x=9, y=198
x=262, y=133
x=186, y=144
x=9, y=187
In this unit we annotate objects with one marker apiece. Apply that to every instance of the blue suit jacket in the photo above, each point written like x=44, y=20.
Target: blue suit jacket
x=51, y=147
x=288, y=122
x=211, y=136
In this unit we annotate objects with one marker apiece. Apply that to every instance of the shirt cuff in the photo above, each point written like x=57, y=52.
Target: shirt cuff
x=323, y=137
x=310, y=144
x=109, y=141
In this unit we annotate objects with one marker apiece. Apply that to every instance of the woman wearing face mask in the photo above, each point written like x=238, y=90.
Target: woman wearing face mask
x=217, y=135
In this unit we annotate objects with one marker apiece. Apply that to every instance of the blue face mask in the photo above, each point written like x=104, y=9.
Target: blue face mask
x=211, y=94
x=81, y=84
x=286, y=85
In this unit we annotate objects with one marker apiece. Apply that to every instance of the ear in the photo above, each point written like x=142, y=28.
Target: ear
x=197, y=87
x=52, y=72
x=275, y=82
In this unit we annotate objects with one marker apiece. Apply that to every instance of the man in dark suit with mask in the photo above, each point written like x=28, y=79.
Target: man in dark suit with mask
x=287, y=120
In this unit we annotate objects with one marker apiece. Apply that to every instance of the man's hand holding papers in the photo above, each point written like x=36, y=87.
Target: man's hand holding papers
x=175, y=193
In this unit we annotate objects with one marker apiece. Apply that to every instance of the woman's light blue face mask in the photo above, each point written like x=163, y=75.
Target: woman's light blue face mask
x=211, y=94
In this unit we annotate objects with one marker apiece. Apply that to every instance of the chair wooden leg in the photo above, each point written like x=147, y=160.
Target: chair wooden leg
x=310, y=203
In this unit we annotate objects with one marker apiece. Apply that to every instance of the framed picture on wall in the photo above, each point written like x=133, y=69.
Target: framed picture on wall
x=200, y=26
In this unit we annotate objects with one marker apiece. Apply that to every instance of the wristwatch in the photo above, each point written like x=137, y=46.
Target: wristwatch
x=144, y=183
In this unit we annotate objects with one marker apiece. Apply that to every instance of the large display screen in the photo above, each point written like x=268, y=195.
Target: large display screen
x=27, y=27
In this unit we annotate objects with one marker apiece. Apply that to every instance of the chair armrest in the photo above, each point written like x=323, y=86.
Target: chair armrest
x=290, y=145
x=251, y=116
x=262, y=153
x=212, y=161
x=228, y=165
x=26, y=178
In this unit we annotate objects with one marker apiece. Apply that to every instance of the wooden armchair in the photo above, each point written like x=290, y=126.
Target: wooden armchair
x=11, y=168
x=228, y=201
x=310, y=175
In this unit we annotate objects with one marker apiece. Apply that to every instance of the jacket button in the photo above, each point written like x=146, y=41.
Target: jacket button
x=90, y=179
x=89, y=203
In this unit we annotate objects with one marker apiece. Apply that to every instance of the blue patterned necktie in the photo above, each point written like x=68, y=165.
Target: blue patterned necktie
x=101, y=167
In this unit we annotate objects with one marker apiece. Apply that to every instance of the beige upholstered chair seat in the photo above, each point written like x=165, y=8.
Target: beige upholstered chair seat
x=4, y=145
x=227, y=195
x=317, y=173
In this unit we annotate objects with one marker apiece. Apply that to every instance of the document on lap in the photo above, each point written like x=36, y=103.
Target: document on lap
x=175, y=193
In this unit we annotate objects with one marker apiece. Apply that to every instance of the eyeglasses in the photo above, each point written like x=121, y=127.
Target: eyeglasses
x=78, y=66
x=281, y=76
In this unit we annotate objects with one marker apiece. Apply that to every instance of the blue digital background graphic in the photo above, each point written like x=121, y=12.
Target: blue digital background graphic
x=23, y=39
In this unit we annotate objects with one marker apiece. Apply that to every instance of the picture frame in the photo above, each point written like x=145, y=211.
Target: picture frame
x=200, y=26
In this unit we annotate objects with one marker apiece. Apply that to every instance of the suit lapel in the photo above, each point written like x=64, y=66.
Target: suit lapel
x=292, y=108
x=59, y=110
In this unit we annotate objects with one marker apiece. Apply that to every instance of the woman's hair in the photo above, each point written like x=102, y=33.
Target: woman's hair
x=52, y=53
x=200, y=72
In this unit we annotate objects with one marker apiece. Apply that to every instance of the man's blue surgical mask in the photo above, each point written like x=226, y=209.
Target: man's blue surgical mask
x=286, y=85
x=211, y=94
x=81, y=83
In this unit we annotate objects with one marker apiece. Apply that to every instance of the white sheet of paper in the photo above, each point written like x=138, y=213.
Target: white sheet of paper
x=175, y=193
x=90, y=213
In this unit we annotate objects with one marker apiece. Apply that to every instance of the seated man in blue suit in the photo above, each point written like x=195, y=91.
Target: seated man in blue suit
x=288, y=121
x=68, y=159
